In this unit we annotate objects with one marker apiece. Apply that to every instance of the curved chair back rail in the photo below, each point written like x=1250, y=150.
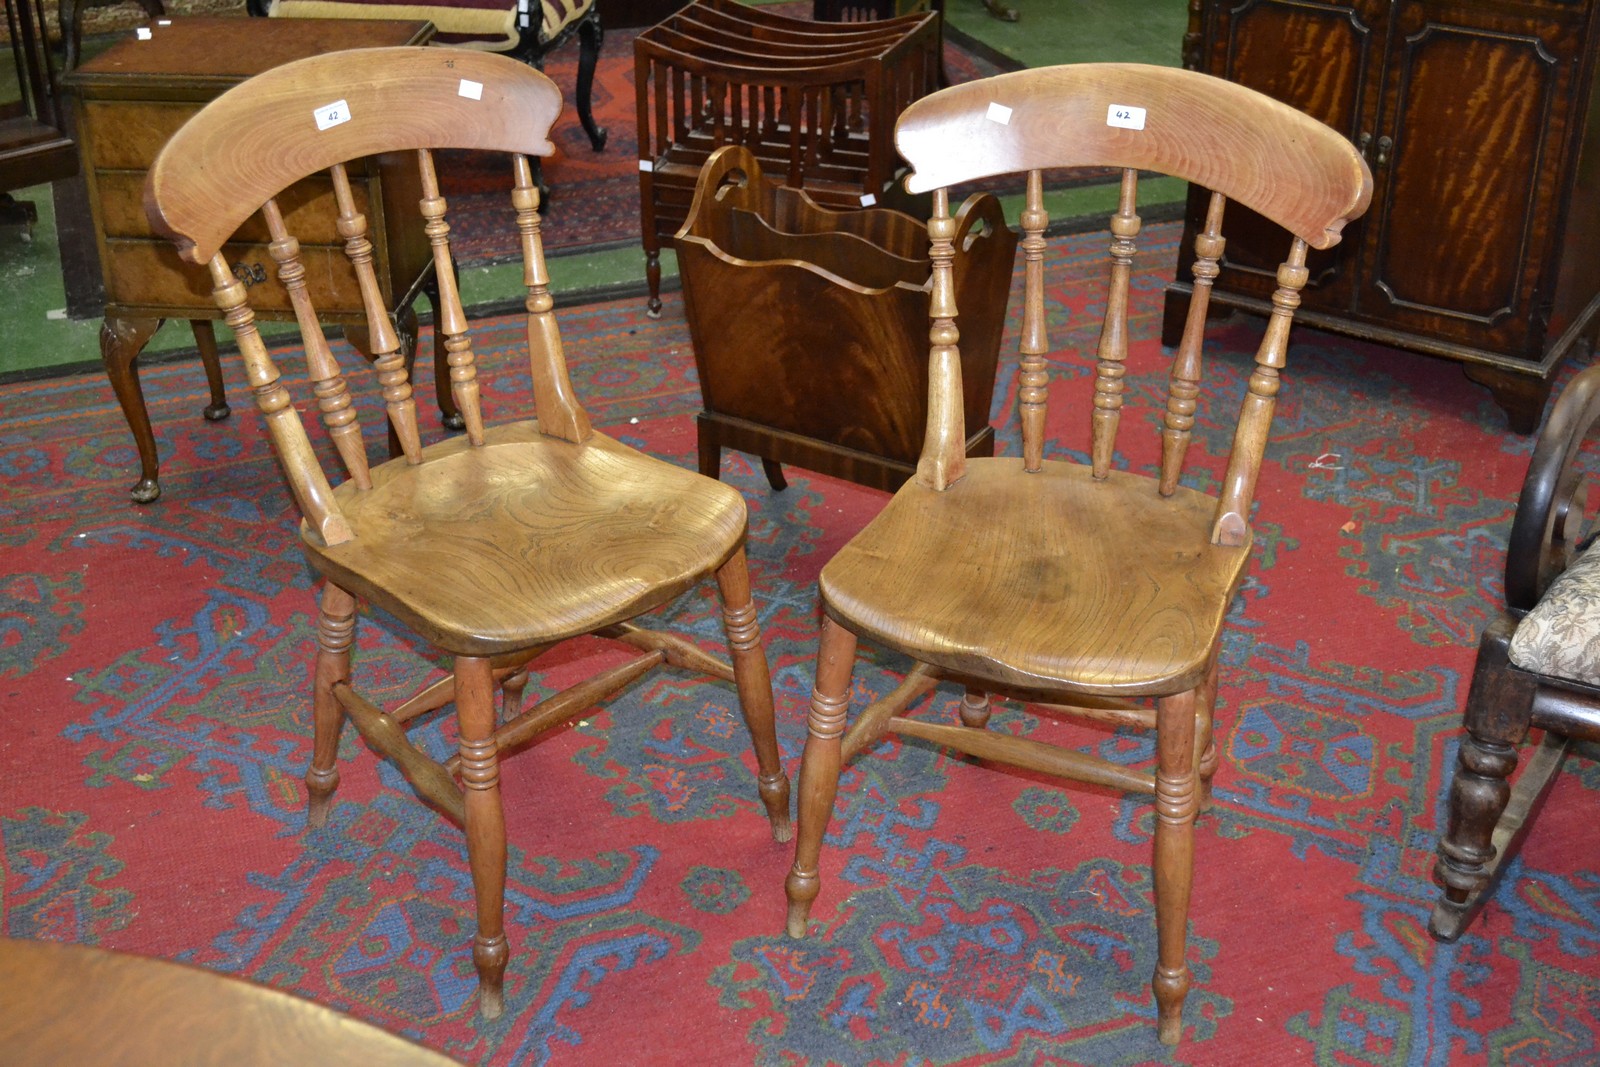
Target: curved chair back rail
x=417, y=98
x=1545, y=533
x=1230, y=139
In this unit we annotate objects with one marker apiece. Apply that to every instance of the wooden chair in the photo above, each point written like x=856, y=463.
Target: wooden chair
x=1082, y=589
x=1538, y=665
x=492, y=546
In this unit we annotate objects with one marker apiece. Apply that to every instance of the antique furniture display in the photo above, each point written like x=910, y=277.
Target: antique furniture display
x=1084, y=590
x=1483, y=243
x=810, y=326
x=492, y=546
x=76, y=1004
x=34, y=145
x=523, y=29
x=815, y=102
x=129, y=100
x=1538, y=665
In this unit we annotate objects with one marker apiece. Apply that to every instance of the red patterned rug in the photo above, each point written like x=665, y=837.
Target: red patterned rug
x=154, y=672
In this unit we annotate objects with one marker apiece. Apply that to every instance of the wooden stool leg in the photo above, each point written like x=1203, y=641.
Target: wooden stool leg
x=819, y=767
x=486, y=827
x=336, y=627
x=1176, y=802
x=755, y=689
x=205, y=341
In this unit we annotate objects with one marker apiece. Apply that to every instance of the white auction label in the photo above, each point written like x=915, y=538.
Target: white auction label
x=143, y=33
x=470, y=89
x=868, y=199
x=646, y=166
x=1125, y=117
x=331, y=115
x=999, y=113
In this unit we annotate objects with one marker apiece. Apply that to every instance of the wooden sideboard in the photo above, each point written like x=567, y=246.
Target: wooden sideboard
x=135, y=95
x=1481, y=126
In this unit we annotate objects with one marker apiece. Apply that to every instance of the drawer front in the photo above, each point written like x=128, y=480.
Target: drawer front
x=126, y=135
x=148, y=273
x=309, y=209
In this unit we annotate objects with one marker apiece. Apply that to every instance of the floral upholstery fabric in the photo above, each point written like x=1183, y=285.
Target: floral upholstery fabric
x=1561, y=635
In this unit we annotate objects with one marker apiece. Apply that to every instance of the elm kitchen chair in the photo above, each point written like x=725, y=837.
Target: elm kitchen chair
x=1080, y=588
x=494, y=545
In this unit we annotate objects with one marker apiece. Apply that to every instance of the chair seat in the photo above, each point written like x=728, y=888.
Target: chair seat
x=1561, y=635
x=1131, y=607
x=528, y=539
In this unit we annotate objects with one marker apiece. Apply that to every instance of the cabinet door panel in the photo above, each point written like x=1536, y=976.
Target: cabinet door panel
x=1317, y=57
x=1467, y=193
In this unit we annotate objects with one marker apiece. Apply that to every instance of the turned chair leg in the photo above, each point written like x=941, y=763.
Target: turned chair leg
x=754, y=682
x=819, y=767
x=975, y=708
x=1499, y=707
x=486, y=827
x=336, y=626
x=1176, y=804
x=1205, y=741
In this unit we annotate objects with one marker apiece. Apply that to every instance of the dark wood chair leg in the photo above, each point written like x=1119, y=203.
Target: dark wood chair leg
x=590, y=37
x=652, y=277
x=121, y=341
x=336, y=627
x=205, y=341
x=449, y=415
x=486, y=827
x=1497, y=716
x=819, y=767
x=1176, y=804
x=754, y=681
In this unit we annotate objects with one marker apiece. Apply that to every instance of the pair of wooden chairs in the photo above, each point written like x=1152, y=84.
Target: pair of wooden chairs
x=1058, y=582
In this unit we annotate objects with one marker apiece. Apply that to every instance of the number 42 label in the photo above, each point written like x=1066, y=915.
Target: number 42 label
x=1125, y=116
x=331, y=115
